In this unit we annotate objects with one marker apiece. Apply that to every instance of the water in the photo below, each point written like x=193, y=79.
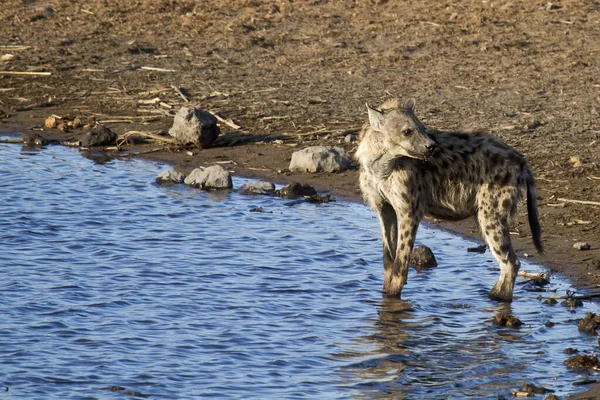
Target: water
x=172, y=293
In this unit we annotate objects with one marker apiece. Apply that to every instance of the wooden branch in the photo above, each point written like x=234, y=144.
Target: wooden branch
x=158, y=69
x=531, y=275
x=25, y=73
x=12, y=141
x=227, y=122
x=14, y=48
x=592, y=203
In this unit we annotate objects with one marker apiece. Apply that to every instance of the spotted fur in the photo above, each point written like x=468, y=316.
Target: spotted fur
x=408, y=172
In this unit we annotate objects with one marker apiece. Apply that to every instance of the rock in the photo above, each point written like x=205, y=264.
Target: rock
x=259, y=188
x=319, y=198
x=295, y=190
x=549, y=324
x=42, y=12
x=581, y=246
x=572, y=302
x=194, y=126
x=477, y=249
x=550, y=302
x=507, y=320
x=577, y=161
x=32, y=139
x=350, y=138
x=581, y=361
x=531, y=388
x=170, y=176
x=570, y=350
x=551, y=397
x=51, y=122
x=99, y=136
x=422, y=257
x=213, y=177
x=590, y=323
x=320, y=159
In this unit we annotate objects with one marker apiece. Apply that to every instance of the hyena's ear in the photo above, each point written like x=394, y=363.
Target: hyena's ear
x=376, y=118
x=410, y=104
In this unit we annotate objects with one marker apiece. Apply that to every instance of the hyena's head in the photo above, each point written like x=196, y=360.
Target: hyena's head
x=402, y=134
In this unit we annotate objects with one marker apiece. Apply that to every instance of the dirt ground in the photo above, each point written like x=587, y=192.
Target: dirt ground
x=296, y=73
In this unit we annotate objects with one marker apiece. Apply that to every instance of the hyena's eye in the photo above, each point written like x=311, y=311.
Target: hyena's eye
x=406, y=131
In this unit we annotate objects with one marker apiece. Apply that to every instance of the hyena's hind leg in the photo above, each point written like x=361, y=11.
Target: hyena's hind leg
x=496, y=208
x=388, y=220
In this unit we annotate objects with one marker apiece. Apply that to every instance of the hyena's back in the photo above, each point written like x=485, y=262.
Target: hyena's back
x=467, y=169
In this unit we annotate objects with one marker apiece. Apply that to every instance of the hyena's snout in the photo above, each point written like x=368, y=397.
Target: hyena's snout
x=427, y=148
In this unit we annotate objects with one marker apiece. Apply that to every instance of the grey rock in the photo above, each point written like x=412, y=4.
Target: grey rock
x=194, y=126
x=581, y=246
x=320, y=159
x=213, y=177
x=422, y=257
x=295, y=190
x=350, y=138
x=590, y=323
x=170, y=176
x=259, y=188
x=99, y=136
x=33, y=139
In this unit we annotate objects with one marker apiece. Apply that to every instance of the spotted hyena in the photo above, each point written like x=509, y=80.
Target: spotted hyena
x=408, y=171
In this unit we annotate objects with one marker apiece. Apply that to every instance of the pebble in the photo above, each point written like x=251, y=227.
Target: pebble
x=581, y=246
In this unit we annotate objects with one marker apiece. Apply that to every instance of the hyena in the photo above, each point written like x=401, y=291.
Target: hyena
x=408, y=171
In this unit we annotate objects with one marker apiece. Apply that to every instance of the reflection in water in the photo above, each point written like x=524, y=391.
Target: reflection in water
x=110, y=279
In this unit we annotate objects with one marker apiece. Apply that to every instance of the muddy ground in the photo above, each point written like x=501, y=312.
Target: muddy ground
x=296, y=73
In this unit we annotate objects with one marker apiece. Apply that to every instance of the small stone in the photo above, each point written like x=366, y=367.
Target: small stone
x=531, y=388
x=477, y=249
x=350, y=138
x=213, y=177
x=259, y=188
x=551, y=397
x=572, y=302
x=7, y=57
x=506, y=320
x=581, y=246
x=295, y=190
x=50, y=122
x=169, y=177
x=319, y=198
x=582, y=361
x=100, y=135
x=32, y=139
x=550, y=302
x=320, y=159
x=590, y=323
x=549, y=324
x=194, y=126
x=570, y=350
x=577, y=161
x=422, y=257
x=533, y=125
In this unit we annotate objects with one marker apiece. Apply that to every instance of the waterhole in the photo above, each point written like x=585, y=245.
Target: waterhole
x=114, y=286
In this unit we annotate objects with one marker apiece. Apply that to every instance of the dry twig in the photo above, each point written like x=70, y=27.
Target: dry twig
x=25, y=73
x=592, y=203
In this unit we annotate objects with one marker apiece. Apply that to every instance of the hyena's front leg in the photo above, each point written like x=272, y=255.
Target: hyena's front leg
x=408, y=226
x=389, y=229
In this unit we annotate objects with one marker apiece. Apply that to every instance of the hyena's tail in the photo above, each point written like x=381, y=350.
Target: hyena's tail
x=532, y=214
